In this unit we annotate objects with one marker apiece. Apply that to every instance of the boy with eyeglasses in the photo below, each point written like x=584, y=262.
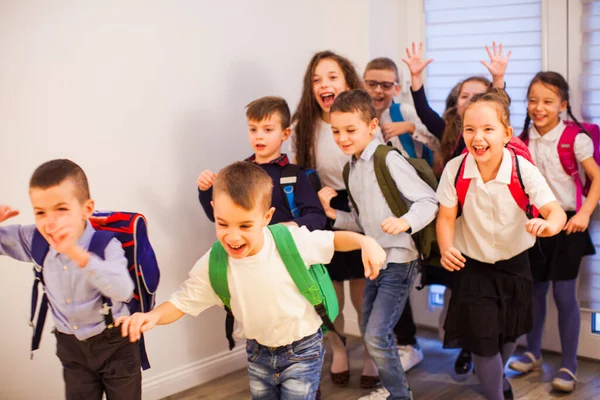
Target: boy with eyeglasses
x=400, y=125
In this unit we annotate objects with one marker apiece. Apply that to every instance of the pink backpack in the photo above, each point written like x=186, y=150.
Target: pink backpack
x=516, y=186
x=566, y=154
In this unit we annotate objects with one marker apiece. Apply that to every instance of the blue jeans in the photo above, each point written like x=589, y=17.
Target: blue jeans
x=288, y=372
x=383, y=303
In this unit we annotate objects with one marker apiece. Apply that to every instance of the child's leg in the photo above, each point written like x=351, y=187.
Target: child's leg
x=569, y=320
x=339, y=362
x=490, y=372
x=118, y=363
x=357, y=290
x=507, y=351
x=262, y=376
x=300, y=368
x=390, y=290
x=534, y=338
x=80, y=381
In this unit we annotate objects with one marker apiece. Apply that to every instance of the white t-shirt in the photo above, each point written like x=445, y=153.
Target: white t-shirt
x=544, y=152
x=329, y=158
x=264, y=299
x=491, y=227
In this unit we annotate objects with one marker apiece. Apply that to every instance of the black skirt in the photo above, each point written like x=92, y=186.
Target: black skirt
x=344, y=265
x=434, y=275
x=491, y=304
x=557, y=258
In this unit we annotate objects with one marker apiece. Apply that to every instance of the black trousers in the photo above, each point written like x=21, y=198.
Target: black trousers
x=105, y=363
x=406, y=330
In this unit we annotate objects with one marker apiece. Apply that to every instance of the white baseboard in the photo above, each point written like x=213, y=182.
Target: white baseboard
x=194, y=374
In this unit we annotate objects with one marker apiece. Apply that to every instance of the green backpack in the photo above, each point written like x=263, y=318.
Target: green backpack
x=314, y=283
x=425, y=239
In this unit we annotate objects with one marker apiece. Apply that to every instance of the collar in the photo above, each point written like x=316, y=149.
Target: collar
x=83, y=241
x=504, y=173
x=550, y=136
x=369, y=151
x=282, y=160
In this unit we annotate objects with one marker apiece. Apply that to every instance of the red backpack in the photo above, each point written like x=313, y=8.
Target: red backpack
x=566, y=154
x=516, y=148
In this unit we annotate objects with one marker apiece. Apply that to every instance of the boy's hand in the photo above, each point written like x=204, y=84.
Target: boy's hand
x=414, y=60
x=394, y=226
x=373, y=257
x=578, y=223
x=206, y=180
x=6, y=212
x=63, y=239
x=540, y=227
x=136, y=324
x=325, y=195
x=498, y=63
x=452, y=259
x=396, y=129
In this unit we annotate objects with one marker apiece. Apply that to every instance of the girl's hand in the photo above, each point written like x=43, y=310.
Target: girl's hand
x=394, y=226
x=578, y=223
x=540, y=227
x=6, y=212
x=373, y=257
x=325, y=196
x=136, y=324
x=414, y=60
x=453, y=260
x=498, y=63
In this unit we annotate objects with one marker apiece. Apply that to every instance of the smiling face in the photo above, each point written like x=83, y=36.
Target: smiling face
x=485, y=134
x=351, y=132
x=266, y=137
x=544, y=106
x=328, y=81
x=58, y=207
x=240, y=231
x=468, y=90
x=375, y=79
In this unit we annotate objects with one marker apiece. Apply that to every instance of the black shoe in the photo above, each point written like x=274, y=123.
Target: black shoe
x=508, y=394
x=463, y=363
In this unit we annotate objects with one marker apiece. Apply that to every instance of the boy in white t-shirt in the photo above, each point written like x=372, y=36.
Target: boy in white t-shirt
x=284, y=339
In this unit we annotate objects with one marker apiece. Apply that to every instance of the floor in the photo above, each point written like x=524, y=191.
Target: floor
x=431, y=379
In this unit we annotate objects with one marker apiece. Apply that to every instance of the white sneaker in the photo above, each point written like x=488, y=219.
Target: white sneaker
x=380, y=394
x=410, y=356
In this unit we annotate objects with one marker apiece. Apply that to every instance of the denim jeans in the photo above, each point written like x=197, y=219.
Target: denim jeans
x=291, y=372
x=383, y=302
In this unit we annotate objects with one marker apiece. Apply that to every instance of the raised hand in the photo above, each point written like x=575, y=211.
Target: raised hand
x=6, y=212
x=498, y=62
x=415, y=61
x=206, y=180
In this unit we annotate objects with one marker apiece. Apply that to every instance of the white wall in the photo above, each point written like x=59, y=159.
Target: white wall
x=145, y=94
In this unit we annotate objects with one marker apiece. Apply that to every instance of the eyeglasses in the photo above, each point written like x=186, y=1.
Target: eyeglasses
x=384, y=85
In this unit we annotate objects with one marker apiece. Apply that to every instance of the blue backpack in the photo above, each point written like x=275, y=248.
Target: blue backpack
x=288, y=179
x=406, y=140
x=128, y=228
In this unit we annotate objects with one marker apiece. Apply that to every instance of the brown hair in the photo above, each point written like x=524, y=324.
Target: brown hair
x=247, y=184
x=54, y=172
x=499, y=98
x=453, y=128
x=266, y=106
x=557, y=83
x=384, y=63
x=309, y=111
x=355, y=101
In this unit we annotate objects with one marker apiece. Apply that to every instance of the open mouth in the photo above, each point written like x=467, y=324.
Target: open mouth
x=236, y=250
x=327, y=99
x=480, y=150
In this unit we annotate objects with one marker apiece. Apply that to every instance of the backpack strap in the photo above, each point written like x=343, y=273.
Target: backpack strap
x=288, y=251
x=98, y=244
x=217, y=273
x=462, y=185
x=386, y=183
x=405, y=139
x=568, y=160
x=346, y=175
x=287, y=182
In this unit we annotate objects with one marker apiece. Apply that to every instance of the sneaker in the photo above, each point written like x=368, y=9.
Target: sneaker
x=381, y=394
x=526, y=363
x=564, y=380
x=410, y=356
